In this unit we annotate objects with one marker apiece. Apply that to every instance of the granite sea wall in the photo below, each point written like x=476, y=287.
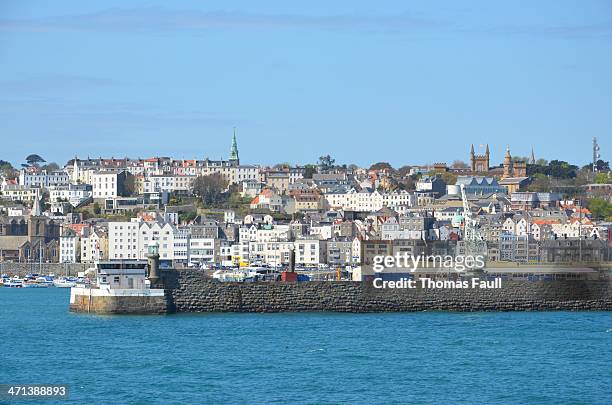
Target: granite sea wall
x=192, y=291
x=144, y=305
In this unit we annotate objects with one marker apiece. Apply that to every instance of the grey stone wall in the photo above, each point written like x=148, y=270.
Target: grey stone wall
x=192, y=291
x=59, y=269
x=120, y=305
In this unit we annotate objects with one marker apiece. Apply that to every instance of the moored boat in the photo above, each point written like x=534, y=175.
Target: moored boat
x=65, y=282
x=13, y=283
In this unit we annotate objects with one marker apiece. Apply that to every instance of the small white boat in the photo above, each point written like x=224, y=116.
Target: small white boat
x=64, y=282
x=13, y=283
x=35, y=285
x=45, y=281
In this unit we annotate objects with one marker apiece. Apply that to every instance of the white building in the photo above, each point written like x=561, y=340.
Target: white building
x=169, y=183
x=201, y=251
x=309, y=252
x=69, y=242
x=366, y=201
x=75, y=194
x=42, y=178
x=109, y=184
x=18, y=192
x=131, y=240
x=92, y=247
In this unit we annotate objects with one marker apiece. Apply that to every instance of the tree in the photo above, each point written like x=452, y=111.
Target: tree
x=97, y=209
x=448, y=177
x=540, y=183
x=33, y=160
x=6, y=169
x=602, y=166
x=404, y=171
x=326, y=161
x=281, y=166
x=600, y=208
x=309, y=170
x=555, y=168
x=602, y=178
x=459, y=164
x=210, y=188
x=382, y=166
x=520, y=159
x=51, y=167
x=186, y=217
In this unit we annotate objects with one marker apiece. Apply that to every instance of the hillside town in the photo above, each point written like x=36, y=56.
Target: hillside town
x=222, y=213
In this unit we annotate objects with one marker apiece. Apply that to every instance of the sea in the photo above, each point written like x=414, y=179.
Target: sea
x=311, y=358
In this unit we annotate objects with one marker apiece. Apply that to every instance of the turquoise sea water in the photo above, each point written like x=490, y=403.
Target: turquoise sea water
x=436, y=358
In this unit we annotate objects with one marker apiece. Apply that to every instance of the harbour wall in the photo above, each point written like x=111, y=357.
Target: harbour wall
x=192, y=291
x=59, y=269
x=99, y=301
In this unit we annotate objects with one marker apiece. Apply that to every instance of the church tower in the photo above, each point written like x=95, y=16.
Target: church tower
x=234, y=148
x=479, y=163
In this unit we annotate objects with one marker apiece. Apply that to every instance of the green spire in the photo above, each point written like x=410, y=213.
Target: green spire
x=234, y=148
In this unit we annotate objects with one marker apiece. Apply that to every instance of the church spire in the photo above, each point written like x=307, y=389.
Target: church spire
x=234, y=148
x=36, y=210
x=532, y=160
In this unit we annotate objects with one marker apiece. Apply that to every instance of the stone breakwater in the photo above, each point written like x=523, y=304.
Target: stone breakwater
x=192, y=291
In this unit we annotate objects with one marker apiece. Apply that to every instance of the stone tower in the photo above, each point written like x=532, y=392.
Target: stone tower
x=234, y=148
x=508, y=169
x=479, y=163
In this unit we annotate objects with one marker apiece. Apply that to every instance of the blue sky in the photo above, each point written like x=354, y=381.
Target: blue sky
x=403, y=82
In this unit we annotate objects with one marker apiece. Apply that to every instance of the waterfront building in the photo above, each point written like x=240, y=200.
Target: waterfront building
x=69, y=247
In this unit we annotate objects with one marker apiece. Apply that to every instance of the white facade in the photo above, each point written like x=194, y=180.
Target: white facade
x=105, y=184
x=201, y=250
x=73, y=193
x=68, y=248
x=18, y=192
x=309, y=252
x=365, y=201
x=91, y=248
x=131, y=240
x=170, y=183
x=43, y=178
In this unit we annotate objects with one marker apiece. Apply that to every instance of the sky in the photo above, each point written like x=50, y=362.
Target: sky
x=402, y=82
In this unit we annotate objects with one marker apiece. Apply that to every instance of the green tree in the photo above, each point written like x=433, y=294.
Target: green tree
x=97, y=209
x=540, y=183
x=6, y=169
x=600, y=208
x=602, y=178
x=51, y=167
x=187, y=217
x=33, y=160
x=309, y=170
x=326, y=161
x=382, y=166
